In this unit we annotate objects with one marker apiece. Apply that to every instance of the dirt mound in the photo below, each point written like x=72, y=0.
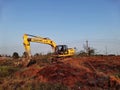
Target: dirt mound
x=81, y=73
x=62, y=73
x=27, y=72
x=107, y=65
x=73, y=73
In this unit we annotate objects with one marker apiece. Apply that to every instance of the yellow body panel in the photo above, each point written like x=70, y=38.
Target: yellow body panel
x=69, y=52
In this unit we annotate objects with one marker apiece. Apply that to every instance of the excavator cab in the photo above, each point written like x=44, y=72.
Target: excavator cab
x=61, y=49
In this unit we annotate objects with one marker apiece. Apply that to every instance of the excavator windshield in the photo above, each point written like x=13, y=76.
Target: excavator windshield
x=61, y=49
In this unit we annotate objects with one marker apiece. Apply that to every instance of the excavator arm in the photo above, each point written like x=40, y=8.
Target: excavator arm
x=31, y=38
x=26, y=44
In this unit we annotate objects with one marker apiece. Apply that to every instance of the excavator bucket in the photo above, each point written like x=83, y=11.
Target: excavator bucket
x=31, y=62
x=27, y=60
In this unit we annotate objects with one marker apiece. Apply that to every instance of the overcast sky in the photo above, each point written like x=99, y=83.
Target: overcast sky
x=70, y=22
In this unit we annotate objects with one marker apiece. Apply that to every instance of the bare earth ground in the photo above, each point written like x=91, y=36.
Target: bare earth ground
x=76, y=73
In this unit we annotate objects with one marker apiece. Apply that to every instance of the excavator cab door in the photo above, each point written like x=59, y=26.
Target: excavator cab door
x=61, y=49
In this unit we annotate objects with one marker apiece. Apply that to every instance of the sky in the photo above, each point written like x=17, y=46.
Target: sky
x=70, y=22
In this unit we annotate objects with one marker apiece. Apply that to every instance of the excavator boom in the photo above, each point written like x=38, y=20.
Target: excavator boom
x=31, y=38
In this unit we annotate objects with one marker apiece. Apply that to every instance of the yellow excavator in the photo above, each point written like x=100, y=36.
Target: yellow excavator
x=58, y=50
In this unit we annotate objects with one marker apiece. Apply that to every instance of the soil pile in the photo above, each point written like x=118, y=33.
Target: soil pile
x=80, y=73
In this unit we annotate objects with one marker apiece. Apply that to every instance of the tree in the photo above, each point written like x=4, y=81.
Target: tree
x=25, y=55
x=91, y=51
x=15, y=55
x=82, y=53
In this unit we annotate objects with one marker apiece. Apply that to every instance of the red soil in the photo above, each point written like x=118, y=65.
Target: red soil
x=85, y=72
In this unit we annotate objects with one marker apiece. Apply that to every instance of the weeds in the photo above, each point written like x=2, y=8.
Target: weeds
x=7, y=70
x=117, y=75
x=36, y=86
x=49, y=86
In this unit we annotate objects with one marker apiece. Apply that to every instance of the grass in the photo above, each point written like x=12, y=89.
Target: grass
x=35, y=86
x=117, y=75
x=7, y=70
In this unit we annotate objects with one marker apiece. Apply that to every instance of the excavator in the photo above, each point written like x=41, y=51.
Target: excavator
x=58, y=50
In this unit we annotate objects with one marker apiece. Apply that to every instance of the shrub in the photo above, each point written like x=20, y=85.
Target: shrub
x=117, y=75
x=15, y=55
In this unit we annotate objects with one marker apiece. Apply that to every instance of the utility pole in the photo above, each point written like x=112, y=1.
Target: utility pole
x=106, y=52
x=87, y=47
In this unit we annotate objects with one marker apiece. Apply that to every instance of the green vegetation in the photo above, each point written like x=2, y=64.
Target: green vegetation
x=117, y=75
x=7, y=70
